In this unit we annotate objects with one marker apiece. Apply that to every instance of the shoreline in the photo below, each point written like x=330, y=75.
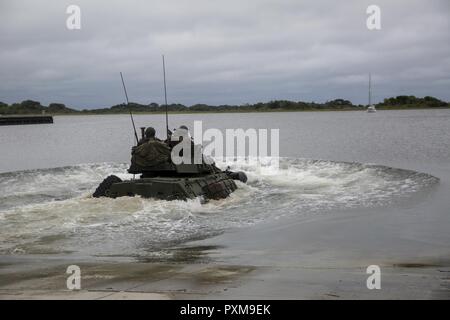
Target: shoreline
x=220, y=112
x=322, y=256
x=313, y=260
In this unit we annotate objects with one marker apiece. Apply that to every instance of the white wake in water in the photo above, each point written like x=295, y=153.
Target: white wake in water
x=51, y=210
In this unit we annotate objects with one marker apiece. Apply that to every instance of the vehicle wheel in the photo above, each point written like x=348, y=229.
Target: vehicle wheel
x=103, y=188
x=241, y=176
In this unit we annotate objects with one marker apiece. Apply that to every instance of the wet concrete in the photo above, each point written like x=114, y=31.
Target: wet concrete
x=314, y=258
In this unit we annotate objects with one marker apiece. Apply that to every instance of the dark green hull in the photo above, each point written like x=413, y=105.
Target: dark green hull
x=210, y=186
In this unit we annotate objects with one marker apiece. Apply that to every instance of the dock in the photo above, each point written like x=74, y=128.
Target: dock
x=21, y=120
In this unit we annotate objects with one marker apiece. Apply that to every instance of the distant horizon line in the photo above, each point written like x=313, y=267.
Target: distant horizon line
x=77, y=108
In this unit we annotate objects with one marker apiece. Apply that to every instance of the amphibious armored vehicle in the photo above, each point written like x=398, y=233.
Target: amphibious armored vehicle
x=169, y=181
x=173, y=182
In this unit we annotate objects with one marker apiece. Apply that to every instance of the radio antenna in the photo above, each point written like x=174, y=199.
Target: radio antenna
x=165, y=97
x=129, y=108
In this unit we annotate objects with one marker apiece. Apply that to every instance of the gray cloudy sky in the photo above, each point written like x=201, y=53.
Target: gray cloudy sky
x=222, y=52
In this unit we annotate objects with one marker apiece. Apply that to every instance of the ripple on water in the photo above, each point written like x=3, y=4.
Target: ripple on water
x=51, y=210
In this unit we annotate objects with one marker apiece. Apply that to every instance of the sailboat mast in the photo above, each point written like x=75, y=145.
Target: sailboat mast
x=165, y=97
x=370, y=89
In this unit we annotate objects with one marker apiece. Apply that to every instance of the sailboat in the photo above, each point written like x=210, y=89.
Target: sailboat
x=371, y=108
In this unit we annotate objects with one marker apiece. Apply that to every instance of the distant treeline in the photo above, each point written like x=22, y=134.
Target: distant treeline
x=399, y=102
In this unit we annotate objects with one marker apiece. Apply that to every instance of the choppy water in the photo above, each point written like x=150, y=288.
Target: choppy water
x=51, y=210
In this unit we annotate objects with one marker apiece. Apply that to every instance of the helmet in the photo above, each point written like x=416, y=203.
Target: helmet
x=150, y=132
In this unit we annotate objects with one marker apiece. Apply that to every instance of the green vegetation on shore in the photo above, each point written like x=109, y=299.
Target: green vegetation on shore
x=399, y=102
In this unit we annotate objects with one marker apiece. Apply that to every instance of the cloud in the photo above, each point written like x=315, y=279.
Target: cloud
x=222, y=52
